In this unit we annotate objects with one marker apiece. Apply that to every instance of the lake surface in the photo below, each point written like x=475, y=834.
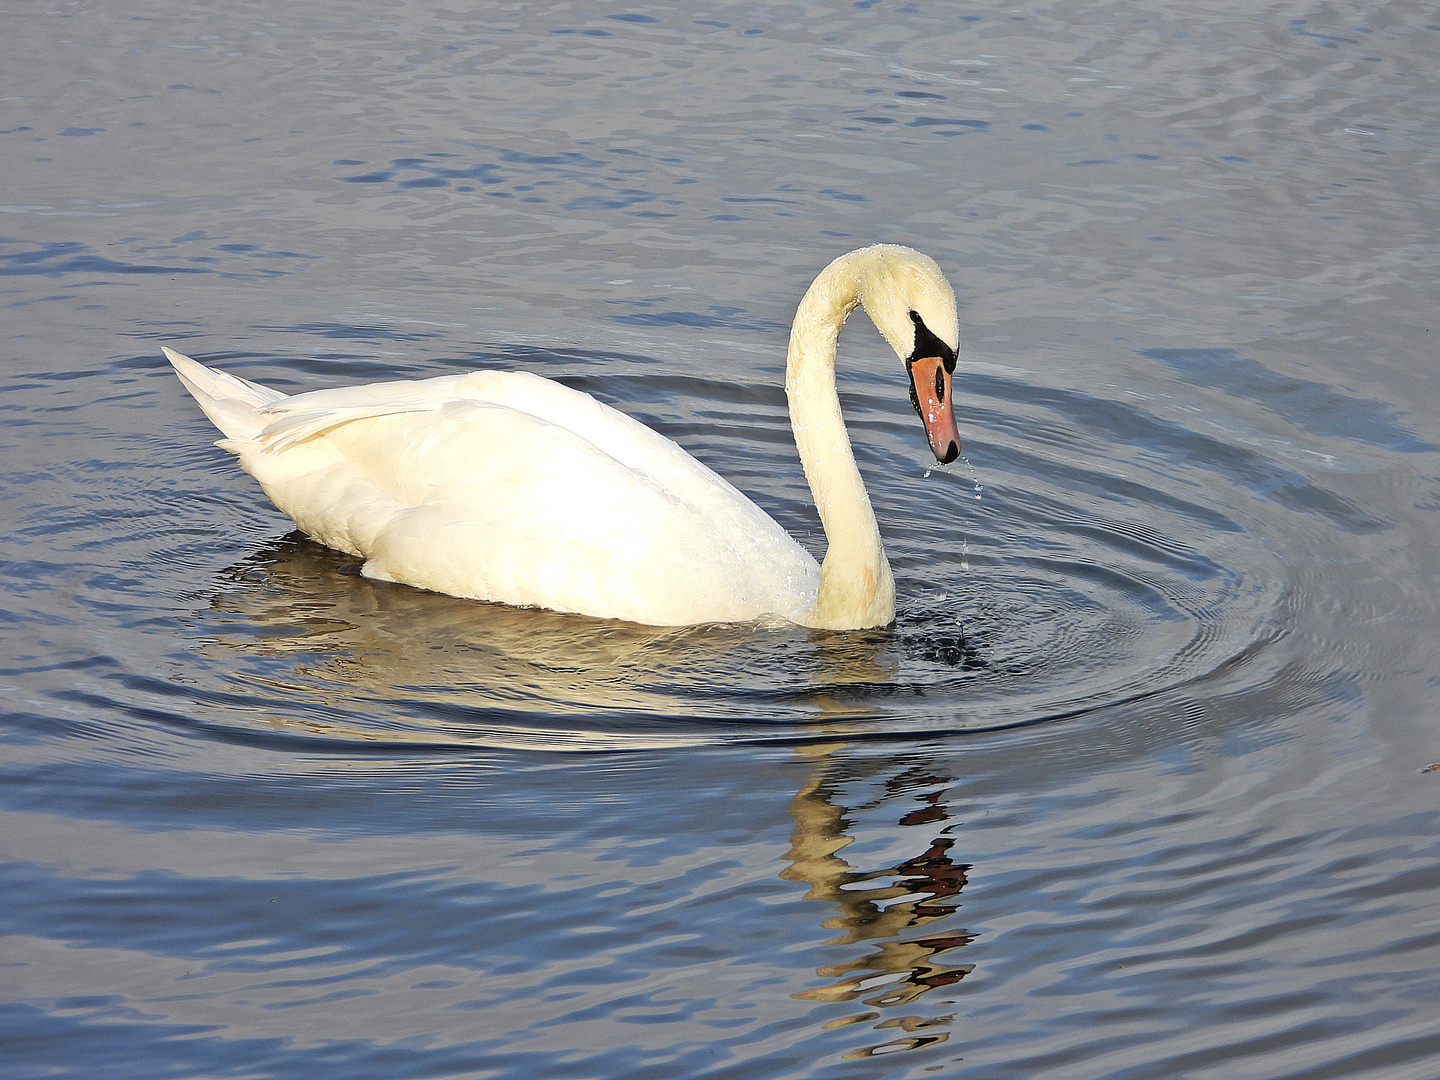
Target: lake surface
x=1135, y=787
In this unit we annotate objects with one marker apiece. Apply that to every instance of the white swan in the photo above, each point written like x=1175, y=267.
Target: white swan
x=505, y=486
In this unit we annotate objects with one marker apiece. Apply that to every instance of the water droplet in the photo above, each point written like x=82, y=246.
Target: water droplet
x=979, y=487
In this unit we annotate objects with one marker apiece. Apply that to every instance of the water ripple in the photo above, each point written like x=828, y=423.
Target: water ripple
x=1103, y=563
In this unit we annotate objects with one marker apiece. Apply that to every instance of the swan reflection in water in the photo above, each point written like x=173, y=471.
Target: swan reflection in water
x=880, y=908
x=340, y=656
x=386, y=663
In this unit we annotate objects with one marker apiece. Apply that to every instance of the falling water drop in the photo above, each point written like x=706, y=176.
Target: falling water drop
x=979, y=487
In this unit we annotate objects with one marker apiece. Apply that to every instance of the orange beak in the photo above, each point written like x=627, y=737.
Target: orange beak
x=931, y=385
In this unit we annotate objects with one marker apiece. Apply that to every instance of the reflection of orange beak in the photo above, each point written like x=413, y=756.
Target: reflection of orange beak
x=932, y=398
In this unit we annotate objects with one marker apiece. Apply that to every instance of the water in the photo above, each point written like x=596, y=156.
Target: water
x=1135, y=787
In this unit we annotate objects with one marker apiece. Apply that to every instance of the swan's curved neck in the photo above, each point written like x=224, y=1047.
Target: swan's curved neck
x=856, y=586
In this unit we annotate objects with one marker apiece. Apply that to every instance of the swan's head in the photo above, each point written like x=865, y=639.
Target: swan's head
x=913, y=306
x=931, y=366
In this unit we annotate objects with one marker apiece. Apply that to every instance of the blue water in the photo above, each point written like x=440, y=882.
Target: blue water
x=1137, y=786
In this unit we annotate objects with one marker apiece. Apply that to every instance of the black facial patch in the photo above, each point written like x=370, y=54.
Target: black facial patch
x=927, y=344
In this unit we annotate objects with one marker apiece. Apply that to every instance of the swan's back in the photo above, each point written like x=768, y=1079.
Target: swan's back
x=509, y=487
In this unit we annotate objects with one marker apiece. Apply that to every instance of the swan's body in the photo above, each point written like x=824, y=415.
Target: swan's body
x=509, y=487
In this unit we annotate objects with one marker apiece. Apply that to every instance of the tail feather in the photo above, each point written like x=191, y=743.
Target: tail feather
x=231, y=403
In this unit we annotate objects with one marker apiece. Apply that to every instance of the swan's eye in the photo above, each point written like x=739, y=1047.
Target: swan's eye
x=927, y=344
x=940, y=382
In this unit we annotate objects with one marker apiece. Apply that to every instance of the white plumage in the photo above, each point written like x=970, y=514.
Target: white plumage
x=509, y=487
